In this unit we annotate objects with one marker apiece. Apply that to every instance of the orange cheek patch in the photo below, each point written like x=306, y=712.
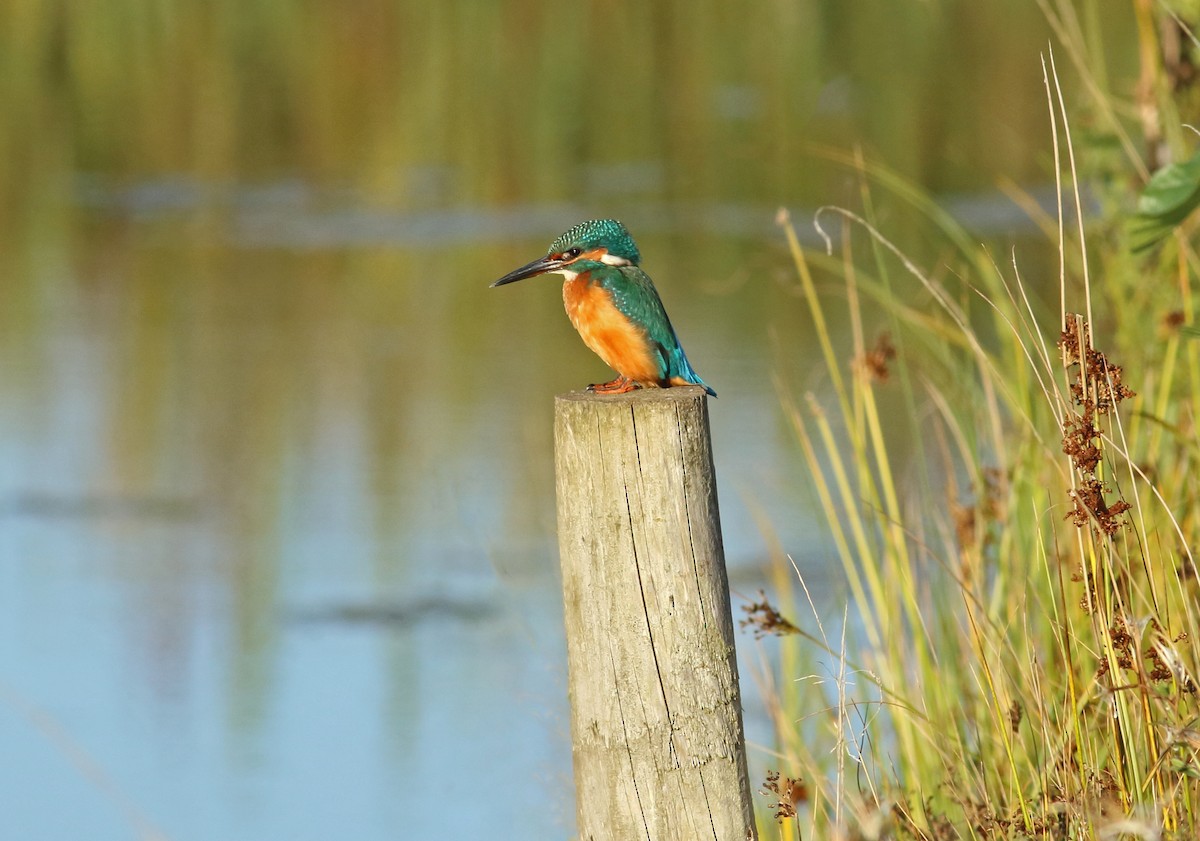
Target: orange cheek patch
x=606, y=330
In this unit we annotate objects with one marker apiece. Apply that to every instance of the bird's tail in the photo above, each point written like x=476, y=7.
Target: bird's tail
x=687, y=373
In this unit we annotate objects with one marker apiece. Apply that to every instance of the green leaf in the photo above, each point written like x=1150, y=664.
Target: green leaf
x=1171, y=194
x=1185, y=768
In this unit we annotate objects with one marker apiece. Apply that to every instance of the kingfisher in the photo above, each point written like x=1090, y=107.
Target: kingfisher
x=615, y=307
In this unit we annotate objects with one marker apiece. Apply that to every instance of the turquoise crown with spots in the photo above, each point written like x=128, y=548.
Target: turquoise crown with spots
x=608, y=234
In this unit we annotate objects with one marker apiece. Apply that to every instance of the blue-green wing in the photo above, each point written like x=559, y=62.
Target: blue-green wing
x=633, y=293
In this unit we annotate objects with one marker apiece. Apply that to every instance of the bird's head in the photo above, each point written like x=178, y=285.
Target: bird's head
x=598, y=241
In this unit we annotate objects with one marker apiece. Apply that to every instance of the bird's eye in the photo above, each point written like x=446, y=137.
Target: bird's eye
x=572, y=253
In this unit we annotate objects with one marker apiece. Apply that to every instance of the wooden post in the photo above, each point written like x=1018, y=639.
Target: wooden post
x=656, y=719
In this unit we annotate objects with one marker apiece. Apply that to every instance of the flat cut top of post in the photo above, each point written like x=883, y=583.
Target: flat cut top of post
x=678, y=393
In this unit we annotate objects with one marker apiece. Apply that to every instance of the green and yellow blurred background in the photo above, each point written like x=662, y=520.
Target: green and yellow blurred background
x=277, y=553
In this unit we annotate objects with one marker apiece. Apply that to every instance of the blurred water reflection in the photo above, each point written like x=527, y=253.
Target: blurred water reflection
x=276, y=504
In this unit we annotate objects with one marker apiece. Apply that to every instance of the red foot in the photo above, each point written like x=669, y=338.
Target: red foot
x=618, y=386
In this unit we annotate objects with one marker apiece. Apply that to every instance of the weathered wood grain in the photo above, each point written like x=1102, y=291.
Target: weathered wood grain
x=656, y=718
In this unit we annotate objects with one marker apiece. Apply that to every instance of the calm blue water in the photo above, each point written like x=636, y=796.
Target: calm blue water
x=267, y=571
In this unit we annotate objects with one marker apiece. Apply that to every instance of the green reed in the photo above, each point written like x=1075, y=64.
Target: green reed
x=1022, y=655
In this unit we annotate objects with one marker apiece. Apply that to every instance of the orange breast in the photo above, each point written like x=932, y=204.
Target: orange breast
x=605, y=329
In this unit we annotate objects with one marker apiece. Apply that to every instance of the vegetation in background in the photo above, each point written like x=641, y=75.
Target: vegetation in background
x=490, y=103
x=1020, y=657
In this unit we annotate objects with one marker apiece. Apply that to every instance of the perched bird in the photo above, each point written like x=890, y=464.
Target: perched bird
x=615, y=307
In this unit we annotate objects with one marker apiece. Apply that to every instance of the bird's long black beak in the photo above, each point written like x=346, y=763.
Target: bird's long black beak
x=537, y=267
